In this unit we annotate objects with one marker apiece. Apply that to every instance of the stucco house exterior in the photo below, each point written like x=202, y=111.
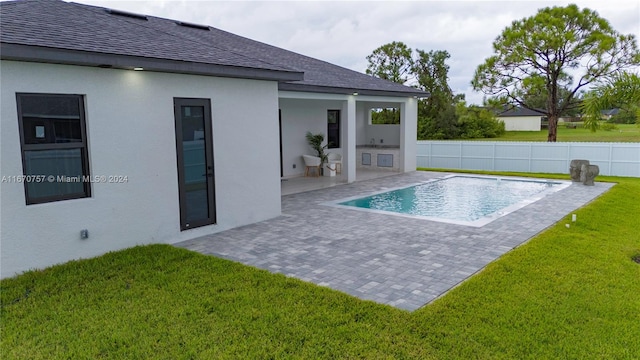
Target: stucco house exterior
x=119, y=129
x=521, y=119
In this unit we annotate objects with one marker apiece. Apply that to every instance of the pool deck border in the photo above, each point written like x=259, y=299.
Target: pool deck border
x=399, y=261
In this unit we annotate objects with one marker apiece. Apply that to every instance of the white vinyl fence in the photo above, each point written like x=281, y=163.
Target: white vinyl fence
x=616, y=159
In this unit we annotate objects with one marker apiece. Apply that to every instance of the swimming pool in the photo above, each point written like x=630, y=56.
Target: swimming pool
x=464, y=200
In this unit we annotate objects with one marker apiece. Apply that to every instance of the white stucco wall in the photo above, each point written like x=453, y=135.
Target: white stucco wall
x=131, y=132
x=383, y=134
x=521, y=123
x=362, y=124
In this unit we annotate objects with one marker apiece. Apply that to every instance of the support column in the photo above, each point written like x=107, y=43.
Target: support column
x=349, y=155
x=408, y=134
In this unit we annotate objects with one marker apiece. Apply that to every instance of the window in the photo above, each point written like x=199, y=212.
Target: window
x=333, y=128
x=54, y=147
x=380, y=116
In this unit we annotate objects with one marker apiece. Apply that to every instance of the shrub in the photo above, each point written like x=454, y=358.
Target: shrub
x=477, y=122
x=461, y=122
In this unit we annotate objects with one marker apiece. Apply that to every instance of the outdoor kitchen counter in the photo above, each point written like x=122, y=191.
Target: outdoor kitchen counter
x=378, y=157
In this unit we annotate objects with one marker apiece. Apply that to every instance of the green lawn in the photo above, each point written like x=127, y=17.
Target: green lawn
x=624, y=133
x=570, y=293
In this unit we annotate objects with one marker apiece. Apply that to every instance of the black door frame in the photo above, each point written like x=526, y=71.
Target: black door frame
x=210, y=175
x=280, y=128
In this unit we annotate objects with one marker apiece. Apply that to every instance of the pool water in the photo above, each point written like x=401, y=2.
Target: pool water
x=464, y=200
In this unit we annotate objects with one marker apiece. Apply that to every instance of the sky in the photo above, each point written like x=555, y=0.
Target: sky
x=345, y=32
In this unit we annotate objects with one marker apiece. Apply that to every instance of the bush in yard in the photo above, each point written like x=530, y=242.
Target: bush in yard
x=443, y=126
x=477, y=122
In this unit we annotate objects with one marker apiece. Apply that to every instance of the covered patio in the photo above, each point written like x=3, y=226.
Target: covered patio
x=345, y=121
x=301, y=184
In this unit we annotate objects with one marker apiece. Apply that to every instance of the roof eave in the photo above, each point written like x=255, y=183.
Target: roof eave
x=287, y=86
x=19, y=52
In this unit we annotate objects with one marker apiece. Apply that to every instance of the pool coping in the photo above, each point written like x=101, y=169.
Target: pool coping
x=402, y=262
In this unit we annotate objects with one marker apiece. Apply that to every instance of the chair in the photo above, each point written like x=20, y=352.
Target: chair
x=311, y=162
x=335, y=159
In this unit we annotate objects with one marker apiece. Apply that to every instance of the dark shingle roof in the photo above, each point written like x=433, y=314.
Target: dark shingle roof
x=517, y=111
x=87, y=35
x=610, y=112
x=69, y=33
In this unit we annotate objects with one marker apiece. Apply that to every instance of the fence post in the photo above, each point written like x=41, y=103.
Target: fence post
x=493, y=161
x=610, y=158
x=568, y=163
x=530, y=153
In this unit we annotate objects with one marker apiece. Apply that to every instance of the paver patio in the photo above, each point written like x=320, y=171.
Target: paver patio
x=399, y=261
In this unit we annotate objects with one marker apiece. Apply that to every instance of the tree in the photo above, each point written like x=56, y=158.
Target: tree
x=536, y=98
x=559, y=47
x=432, y=74
x=441, y=115
x=444, y=125
x=436, y=114
x=391, y=62
x=395, y=62
x=621, y=91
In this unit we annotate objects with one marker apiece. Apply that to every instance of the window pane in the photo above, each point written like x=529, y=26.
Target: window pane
x=39, y=130
x=50, y=106
x=332, y=116
x=50, y=119
x=62, y=170
x=333, y=128
x=192, y=123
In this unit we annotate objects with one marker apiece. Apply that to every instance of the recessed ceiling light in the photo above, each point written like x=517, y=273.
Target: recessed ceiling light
x=138, y=68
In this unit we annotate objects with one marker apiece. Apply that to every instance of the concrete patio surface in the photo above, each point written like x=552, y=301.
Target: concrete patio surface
x=399, y=261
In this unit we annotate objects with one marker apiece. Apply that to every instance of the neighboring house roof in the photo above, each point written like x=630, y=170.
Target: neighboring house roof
x=55, y=31
x=518, y=112
x=610, y=112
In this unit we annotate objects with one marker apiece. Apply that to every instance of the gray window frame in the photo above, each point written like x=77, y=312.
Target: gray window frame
x=82, y=145
x=209, y=160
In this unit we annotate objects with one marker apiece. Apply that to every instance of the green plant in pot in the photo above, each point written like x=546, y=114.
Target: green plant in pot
x=315, y=141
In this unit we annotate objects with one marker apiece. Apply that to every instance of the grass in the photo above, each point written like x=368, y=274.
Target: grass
x=566, y=294
x=624, y=133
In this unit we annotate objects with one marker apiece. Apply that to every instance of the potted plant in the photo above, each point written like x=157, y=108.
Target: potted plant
x=315, y=141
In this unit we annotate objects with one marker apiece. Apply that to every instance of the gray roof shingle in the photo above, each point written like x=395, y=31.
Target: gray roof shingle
x=519, y=111
x=74, y=33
